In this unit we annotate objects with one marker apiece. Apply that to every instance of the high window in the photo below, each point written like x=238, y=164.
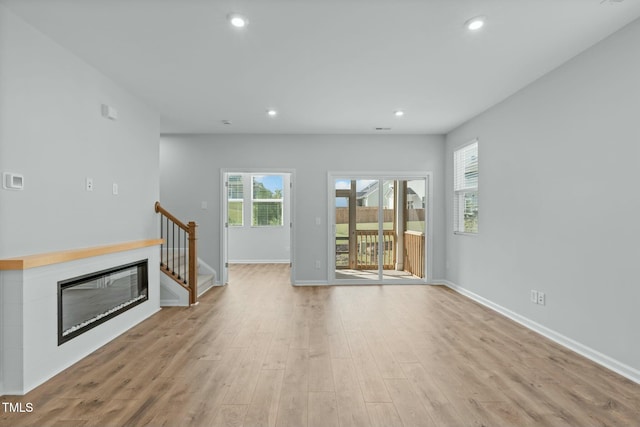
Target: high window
x=465, y=188
x=235, y=201
x=266, y=199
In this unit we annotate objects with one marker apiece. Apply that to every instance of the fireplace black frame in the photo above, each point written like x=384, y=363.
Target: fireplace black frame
x=143, y=285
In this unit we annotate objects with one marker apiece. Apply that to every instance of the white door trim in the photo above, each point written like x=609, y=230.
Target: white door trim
x=331, y=264
x=224, y=229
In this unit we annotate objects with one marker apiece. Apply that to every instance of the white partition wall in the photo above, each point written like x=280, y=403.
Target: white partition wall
x=30, y=353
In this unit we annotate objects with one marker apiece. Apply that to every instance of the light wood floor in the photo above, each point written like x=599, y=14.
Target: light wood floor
x=262, y=353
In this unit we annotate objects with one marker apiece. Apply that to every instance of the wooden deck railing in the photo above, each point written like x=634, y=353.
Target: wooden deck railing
x=414, y=253
x=367, y=244
x=367, y=251
x=178, y=253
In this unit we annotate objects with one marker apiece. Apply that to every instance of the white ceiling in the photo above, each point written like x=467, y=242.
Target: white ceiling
x=327, y=66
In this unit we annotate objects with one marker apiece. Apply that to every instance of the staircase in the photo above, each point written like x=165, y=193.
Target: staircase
x=185, y=276
x=174, y=293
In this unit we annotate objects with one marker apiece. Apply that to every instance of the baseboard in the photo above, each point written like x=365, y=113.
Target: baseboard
x=260, y=261
x=171, y=303
x=310, y=283
x=206, y=289
x=591, y=354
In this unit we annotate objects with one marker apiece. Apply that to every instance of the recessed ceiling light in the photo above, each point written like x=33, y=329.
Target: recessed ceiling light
x=475, y=23
x=237, y=20
x=398, y=113
x=272, y=113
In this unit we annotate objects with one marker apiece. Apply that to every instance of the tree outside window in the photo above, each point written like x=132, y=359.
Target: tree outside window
x=267, y=200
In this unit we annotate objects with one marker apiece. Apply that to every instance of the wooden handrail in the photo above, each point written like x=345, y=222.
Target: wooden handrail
x=187, y=257
x=163, y=211
x=374, y=232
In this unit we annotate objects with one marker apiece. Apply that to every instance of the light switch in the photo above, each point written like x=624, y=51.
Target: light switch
x=203, y=205
x=89, y=184
x=109, y=112
x=115, y=189
x=12, y=181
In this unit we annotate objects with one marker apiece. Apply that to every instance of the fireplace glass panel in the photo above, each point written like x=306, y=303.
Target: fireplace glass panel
x=85, y=302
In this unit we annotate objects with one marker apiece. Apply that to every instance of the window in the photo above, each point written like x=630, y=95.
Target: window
x=465, y=188
x=266, y=200
x=235, y=203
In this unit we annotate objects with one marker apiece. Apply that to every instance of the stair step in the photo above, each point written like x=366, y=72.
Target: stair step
x=205, y=282
x=203, y=278
x=178, y=265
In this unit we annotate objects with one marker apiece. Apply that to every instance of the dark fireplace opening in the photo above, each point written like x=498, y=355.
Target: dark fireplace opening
x=85, y=302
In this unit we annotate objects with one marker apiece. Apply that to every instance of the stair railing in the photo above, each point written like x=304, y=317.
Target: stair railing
x=183, y=267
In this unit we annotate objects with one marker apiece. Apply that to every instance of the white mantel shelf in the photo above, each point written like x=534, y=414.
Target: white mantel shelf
x=29, y=350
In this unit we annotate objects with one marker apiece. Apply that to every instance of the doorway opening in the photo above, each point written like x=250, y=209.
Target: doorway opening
x=379, y=229
x=257, y=220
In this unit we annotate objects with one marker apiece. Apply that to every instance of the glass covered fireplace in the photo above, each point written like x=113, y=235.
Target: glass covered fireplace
x=85, y=302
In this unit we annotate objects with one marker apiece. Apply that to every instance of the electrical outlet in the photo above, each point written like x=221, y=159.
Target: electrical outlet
x=534, y=296
x=318, y=264
x=541, y=300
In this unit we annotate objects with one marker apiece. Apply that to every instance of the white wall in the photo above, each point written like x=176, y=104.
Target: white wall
x=249, y=244
x=559, y=202
x=52, y=132
x=190, y=173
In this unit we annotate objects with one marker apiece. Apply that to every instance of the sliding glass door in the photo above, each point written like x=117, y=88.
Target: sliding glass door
x=378, y=229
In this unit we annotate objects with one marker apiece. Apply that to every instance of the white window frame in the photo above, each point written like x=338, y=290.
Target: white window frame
x=280, y=200
x=461, y=188
x=230, y=200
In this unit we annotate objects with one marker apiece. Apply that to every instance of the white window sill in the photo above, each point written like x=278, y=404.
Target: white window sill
x=462, y=233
